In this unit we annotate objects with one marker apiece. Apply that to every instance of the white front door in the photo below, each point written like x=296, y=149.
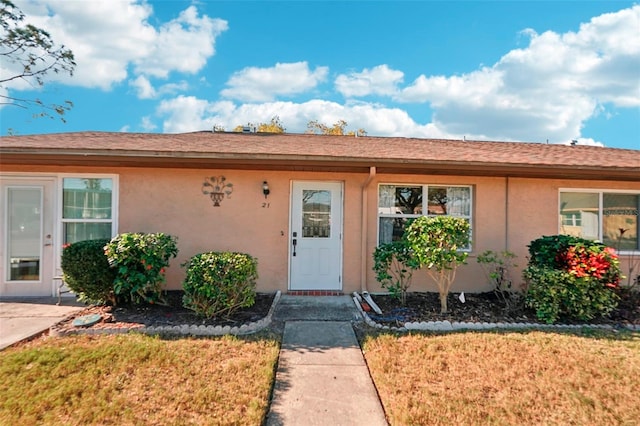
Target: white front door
x=26, y=235
x=316, y=236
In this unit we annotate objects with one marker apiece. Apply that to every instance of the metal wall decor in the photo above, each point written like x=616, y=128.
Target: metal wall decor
x=216, y=187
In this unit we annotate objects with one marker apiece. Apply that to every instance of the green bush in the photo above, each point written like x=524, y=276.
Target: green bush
x=87, y=272
x=391, y=264
x=571, y=277
x=555, y=293
x=544, y=251
x=219, y=283
x=140, y=261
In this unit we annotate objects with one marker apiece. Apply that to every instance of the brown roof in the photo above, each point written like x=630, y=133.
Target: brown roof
x=314, y=152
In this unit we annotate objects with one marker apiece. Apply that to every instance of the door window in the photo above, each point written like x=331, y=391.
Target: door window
x=24, y=226
x=316, y=214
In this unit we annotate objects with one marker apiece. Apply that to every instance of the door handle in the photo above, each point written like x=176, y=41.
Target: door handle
x=294, y=242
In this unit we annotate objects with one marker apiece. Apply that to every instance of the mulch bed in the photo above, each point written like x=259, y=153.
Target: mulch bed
x=419, y=307
x=478, y=307
x=171, y=314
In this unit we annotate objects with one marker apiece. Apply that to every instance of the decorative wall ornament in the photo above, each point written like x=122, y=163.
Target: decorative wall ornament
x=216, y=187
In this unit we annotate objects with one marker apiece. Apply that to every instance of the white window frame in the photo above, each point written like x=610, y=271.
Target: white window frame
x=60, y=220
x=425, y=210
x=600, y=192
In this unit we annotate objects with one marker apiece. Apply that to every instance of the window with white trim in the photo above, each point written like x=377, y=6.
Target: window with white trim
x=397, y=204
x=87, y=208
x=608, y=216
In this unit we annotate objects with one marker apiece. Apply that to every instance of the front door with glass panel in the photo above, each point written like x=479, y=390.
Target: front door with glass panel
x=26, y=233
x=316, y=236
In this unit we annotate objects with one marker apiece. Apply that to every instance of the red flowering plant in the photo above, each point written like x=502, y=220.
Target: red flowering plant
x=595, y=261
x=140, y=260
x=571, y=277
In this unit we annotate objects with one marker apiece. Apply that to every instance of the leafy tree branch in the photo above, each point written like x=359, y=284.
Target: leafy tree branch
x=30, y=54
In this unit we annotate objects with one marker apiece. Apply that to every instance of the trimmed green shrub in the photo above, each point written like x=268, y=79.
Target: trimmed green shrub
x=87, y=272
x=219, y=283
x=555, y=293
x=571, y=277
x=140, y=261
x=391, y=264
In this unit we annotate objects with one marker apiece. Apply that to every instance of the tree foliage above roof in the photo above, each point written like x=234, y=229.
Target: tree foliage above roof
x=338, y=129
x=28, y=53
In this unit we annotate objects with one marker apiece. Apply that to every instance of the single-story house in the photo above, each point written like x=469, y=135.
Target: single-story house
x=310, y=208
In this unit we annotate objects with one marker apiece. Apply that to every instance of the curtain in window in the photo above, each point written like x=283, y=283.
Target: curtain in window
x=86, y=209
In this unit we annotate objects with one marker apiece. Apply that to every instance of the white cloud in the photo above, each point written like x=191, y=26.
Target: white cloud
x=187, y=114
x=583, y=141
x=147, y=124
x=145, y=90
x=182, y=45
x=547, y=90
x=380, y=80
x=109, y=37
x=143, y=87
x=254, y=84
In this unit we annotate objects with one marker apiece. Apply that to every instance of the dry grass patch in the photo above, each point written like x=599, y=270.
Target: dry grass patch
x=507, y=378
x=135, y=379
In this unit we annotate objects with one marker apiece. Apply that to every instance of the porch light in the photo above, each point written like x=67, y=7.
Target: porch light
x=265, y=189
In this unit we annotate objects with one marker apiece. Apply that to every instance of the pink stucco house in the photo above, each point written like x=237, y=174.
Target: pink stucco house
x=310, y=208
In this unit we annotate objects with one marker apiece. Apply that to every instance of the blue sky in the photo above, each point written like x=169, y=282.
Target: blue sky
x=532, y=71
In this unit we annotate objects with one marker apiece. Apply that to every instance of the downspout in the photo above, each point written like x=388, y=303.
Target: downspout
x=364, y=226
x=506, y=214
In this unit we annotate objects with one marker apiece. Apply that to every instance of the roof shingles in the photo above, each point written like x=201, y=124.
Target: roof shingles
x=305, y=147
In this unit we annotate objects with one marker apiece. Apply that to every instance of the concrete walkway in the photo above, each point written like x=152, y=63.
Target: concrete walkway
x=322, y=378
x=22, y=319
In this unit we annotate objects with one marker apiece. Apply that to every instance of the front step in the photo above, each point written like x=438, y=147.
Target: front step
x=315, y=293
x=322, y=308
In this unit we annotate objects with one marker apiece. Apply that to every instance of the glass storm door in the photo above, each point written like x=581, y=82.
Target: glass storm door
x=316, y=236
x=26, y=232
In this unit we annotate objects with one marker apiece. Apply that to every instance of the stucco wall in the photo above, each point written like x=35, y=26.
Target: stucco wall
x=507, y=214
x=488, y=217
x=172, y=201
x=533, y=211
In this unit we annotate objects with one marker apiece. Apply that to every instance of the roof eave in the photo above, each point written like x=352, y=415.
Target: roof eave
x=308, y=163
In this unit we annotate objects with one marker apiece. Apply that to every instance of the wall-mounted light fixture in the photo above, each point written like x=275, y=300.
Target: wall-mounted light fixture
x=265, y=189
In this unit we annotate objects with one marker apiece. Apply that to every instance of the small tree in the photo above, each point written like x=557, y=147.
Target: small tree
x=436, y=243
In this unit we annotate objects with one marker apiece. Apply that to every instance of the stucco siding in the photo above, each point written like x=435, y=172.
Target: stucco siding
x=507, y=214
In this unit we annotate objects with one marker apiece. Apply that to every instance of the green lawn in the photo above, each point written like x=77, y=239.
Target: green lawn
x=507, y=378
